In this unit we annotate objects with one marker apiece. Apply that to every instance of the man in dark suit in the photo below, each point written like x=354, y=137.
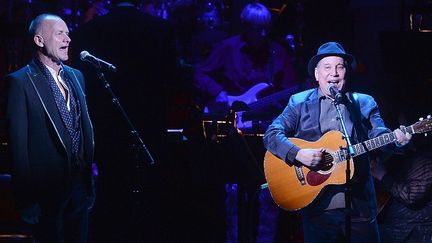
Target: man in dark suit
x=142, y=48
x=51, y=138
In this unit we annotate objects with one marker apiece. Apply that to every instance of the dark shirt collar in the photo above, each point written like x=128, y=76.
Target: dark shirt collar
x=345, y=97
x=321, y=96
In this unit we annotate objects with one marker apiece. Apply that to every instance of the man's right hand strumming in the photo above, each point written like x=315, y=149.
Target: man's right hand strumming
x=310, y=157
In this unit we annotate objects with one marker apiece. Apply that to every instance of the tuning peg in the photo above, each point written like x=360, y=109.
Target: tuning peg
x=421, y=119
x=429, y=117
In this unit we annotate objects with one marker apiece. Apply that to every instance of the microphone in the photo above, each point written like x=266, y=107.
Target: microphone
x=98, y=63
x=337, y=95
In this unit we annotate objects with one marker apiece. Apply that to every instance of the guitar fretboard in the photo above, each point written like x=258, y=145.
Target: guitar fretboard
x=372, y=144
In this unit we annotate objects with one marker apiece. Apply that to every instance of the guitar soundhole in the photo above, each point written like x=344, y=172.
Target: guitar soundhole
x=314, y=178
x=326, y=166
x=328, y=162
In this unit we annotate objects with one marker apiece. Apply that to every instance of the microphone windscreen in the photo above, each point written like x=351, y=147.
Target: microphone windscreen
x=83, y=55
x=333, y=90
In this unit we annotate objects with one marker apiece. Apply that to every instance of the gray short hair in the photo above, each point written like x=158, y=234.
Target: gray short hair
x=36, y=22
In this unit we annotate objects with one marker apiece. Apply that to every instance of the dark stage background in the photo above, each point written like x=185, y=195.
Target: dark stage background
x=192, y=195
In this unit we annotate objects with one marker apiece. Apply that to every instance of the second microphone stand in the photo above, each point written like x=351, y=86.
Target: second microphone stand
x=138, y=145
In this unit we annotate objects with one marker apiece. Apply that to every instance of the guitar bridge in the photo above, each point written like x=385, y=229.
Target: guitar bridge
x=300, y=175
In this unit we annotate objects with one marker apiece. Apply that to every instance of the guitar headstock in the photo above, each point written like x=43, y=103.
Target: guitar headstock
x=424, y=125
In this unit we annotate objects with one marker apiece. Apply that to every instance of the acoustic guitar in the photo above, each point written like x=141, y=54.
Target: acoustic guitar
x=295, y=187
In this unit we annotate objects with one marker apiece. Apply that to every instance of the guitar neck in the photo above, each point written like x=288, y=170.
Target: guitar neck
x=379, y=141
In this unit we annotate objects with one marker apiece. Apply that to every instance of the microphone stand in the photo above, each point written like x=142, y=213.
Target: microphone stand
x=139, y=145
x=140, y=152
x=350, y=153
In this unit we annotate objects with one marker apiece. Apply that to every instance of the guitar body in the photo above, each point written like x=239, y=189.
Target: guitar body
x=293, y=188
x=286, y=188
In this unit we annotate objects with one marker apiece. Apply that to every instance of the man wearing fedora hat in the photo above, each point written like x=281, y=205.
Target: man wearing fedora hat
x=308, y=116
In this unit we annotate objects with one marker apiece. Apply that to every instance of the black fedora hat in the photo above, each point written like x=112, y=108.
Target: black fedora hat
x=330, y=49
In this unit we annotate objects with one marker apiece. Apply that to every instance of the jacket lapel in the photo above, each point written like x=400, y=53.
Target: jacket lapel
x=349, y=119
x=355, y=116
x=41, y=86
x=313, y=109
x=86, y=125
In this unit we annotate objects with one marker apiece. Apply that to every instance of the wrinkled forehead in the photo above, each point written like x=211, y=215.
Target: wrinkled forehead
x=331, y=60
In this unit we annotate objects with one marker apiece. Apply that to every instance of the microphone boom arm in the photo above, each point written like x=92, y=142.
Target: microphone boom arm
x=139, y=144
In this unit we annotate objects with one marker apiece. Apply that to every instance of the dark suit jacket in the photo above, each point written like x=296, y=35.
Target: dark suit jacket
x=39, y=140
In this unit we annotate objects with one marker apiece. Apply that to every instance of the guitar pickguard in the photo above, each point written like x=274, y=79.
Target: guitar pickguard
x=314, y=178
